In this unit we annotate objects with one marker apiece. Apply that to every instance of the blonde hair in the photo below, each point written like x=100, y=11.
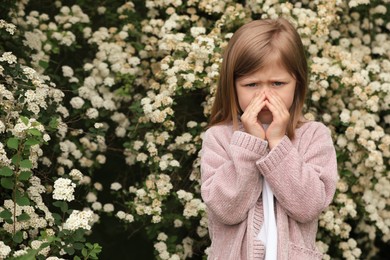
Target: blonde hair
x=248, y=50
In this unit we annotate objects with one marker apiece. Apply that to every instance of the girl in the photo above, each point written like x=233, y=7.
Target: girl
x=267, y=174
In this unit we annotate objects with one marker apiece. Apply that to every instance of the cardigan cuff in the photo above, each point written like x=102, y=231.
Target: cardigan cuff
x=275, y=156
x=249, y=142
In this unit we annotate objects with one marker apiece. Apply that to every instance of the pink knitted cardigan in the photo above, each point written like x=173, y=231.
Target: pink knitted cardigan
x=301, y=172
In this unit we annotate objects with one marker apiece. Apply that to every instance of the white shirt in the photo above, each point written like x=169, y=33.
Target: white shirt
x=268, y=233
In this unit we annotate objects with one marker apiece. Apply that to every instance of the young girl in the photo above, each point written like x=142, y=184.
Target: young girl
x=267, y=174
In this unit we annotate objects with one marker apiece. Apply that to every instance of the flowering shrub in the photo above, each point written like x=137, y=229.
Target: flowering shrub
x=130, y=86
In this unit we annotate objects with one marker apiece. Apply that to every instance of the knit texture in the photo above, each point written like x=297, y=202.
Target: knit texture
x=301, y=172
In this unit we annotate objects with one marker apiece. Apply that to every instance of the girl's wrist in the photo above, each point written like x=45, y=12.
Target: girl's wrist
x=274, y=142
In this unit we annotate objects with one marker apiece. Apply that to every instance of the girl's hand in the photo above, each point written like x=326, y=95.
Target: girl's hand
x=280, y=117
x=249, y=118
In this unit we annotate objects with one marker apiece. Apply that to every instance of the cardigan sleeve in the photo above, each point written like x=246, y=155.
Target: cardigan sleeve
x=304, y=183
x=231, y=182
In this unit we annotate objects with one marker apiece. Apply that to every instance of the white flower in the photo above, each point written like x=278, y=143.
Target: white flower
x=98, y=186
x=164, y=255
x=9, y=27
x=85, y=180
x=174, y=163
x=101, y=9
x=96, y=205
x=92, y=113
x=142, y=157
x=162, y=236
x=4, y=249
x=8, y=57
x=46, y=137
x=121, y=215
x=20, y=252
x=108, y=207
x=191, y=124
x=36, y=244
x=141, y=193
x=91, y=197
x=345, y=116
x=77, y=102
x=97, y=101
x=120, y=131
x=79, y=219
x=101, y=159
x=184, y=138
x=63, y=189
x=116, y=186
x=174, y=257
x=76, y=174
x=163, y=165
x=160, y=246
x=354, y=3
x=156, y=219
x=129, y=218
x=67, y=71
x=137, y=145
x=193, y=207
x=195, y=31
x=109, y=81
x=98, y=125
x=177, y=223
x=2, y=127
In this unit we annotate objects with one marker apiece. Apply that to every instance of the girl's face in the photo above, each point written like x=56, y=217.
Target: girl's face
x=272, y=79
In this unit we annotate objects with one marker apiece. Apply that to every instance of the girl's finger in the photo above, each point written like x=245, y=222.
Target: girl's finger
x=255, y=103
x=273, y=108
x=277, y=101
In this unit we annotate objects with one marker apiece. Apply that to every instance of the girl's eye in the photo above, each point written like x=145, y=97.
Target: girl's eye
x=278, y=84
x=251, y=85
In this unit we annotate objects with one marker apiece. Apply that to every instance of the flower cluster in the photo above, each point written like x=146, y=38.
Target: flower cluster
x=149, y=200
x=79, y=219
x=4, y=250
x=63, y=189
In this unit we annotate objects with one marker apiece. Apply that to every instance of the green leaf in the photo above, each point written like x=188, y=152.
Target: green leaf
x=40, y=257
x=43, y=64
x=24, y=120
x=18, y=237
x=34, y=132
x=58, y=204
x=76, y=258
x=9, y=221
x=7, y=183
x=32, y=141
x=6, y=171
x=26, y=164
x=30, y=255
x=23, y=201
x=53, y=123
x=78, y=235
x=57, y=218
x=16, y=159
x=78, y=246
x=5, y=214
x=84, y=252
x=62, y=205
x=24, y=216
x=13, y=143
x=69, y=250
x=25, y=175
